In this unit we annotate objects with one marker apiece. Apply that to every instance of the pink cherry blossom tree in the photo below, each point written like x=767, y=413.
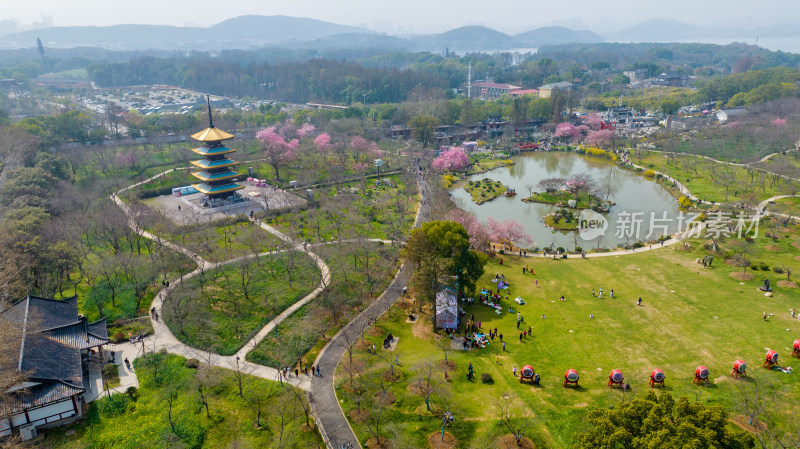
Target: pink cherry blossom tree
x=360, y=147
x=509, y=232
x=305, y=130
x=277, y=148
x=566, y=131
x=779, y=122
x=593, y=121
x=602, y=138
x=452, y=159
x=322, y=142
x=479, y=234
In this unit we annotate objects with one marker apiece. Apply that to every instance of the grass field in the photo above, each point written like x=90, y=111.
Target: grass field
x=236, y=300
x=124, y=422
x=689, y=316
x=484, y=190
x=713, y=181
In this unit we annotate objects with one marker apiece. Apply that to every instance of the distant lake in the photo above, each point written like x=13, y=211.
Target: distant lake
x=632, y=193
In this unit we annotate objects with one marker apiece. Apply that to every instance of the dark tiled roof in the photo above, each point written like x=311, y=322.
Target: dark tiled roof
x=44, y=358
x=51, y=344
x=77, y=335
x=36, y=395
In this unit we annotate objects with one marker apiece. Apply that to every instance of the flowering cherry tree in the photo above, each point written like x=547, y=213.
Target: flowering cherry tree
x=479, y=234
x=452, y=159
x=322, y=142
x=779, y=122
x=305, y=130
x=593, y=121
x=602, y=138
x=567, y=131
x=277, y=148
x=509, y=231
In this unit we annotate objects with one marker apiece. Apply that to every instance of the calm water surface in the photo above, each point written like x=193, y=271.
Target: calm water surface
x=632, y=192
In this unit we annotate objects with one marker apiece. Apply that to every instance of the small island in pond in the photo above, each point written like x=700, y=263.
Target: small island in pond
x=562, y=220
x=577, y=193
x=486, y=190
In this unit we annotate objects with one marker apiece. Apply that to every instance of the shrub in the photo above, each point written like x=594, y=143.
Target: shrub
x=192, y=363
x=764, y=267
x=560, y=249
x=748, y=239
x=753, y=266
x=132, y=393
x=502, y=251
x=638, y=245
x=778, y=270
x=578, y=249
x=113, y=405
x=649, y=173
x=486, y=378
x=706, y=246
x=118, y=338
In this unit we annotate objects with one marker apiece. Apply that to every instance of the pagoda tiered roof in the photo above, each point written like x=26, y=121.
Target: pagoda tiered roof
x=206, y=176
x=212, y=134
x=208, y=189
x=213, y=151
x=214, y=164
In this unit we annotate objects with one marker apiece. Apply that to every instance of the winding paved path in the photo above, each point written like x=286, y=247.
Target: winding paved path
x=332, y=424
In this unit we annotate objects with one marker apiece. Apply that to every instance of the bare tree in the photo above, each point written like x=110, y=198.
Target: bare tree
x=423, y=379
x=516, y=419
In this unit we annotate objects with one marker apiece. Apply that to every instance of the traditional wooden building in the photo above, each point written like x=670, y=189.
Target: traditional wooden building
x=55, y=345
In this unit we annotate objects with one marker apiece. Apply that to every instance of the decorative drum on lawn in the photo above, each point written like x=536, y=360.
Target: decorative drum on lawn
x=657, y=377
x=771, y=359
x=739, y=368
x=700, y=375
x=527, y=372
x=571, y=378
x=615, y=378
x=796, y=346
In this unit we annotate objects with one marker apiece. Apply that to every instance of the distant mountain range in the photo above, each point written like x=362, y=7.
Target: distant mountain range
x=247, y=32
x=250, y=32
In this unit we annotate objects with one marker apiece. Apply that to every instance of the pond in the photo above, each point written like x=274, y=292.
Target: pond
x=632, y=192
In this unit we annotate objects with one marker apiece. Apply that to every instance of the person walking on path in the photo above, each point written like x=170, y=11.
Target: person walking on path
x=504, y=346
x=318, y=373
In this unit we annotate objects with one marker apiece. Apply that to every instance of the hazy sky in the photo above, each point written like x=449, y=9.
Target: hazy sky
x=417, y=16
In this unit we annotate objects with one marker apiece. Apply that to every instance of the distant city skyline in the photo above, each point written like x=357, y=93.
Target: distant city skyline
x=410, y=16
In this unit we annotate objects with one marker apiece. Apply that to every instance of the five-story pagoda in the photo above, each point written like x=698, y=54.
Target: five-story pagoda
x=217, y=170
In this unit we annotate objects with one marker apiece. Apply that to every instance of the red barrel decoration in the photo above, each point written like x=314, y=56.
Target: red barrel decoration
x=701, y=372
x=616, y=376
x=527, y=371
x=739, y=366
x=658, y=375
x=797, y=344
x=772, y=356
x=572, y=375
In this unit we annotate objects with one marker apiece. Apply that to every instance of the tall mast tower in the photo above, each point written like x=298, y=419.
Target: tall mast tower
x=469, y=81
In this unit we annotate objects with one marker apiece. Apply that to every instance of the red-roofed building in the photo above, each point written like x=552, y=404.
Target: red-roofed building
x=489, y=89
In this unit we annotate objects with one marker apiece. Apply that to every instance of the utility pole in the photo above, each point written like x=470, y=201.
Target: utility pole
x=469, y=81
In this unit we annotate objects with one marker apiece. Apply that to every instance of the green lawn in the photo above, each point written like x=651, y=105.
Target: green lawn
x=122, y=422
x=357, y=209
x=221, y=240
x=486, y=162
x=562, y=198
x=223, y=309
x=359, y=272
x=689, y=316
x=713, y=181
x=789, y=206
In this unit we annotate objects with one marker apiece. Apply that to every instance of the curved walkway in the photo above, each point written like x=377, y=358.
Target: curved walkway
x=332, y=424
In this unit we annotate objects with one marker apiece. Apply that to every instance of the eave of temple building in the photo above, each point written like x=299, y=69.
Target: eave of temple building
x=214, y=190
x=206, y=164
x=205, y=151
x=211, y=177
x=212, y=134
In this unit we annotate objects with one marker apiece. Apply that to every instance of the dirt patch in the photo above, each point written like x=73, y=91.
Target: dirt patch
x=772, y=248
x=375, y=443
x=389, y=377
x=796, y=258
x=363, y=345
x=435, y=441
x=385, y=399
x=358, y=416
x=796, y=245
x=422, y=327
x=581, y=405
x=787, y=284
x=509, y=442
x=448, y=366
x=742, y=421
x=413, y=388
x=357, y=365
x=375, y=331
x=739, y=276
